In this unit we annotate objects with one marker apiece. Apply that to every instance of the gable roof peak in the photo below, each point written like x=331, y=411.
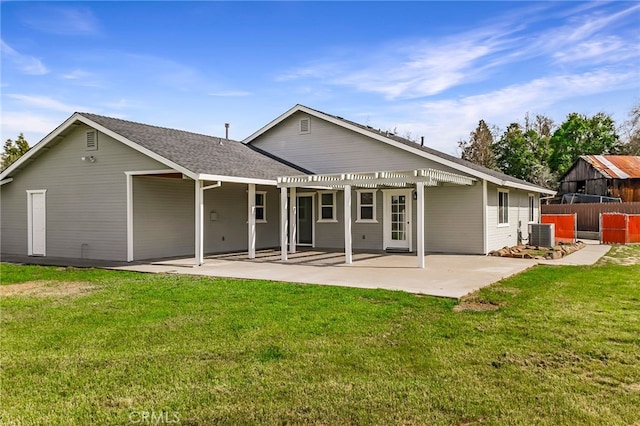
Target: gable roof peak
x=448, y=160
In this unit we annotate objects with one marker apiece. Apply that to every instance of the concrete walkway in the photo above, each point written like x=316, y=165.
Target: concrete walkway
x=451, y=276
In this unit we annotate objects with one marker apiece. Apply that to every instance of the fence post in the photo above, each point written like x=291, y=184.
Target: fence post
x=626, y=228
x=600, y=228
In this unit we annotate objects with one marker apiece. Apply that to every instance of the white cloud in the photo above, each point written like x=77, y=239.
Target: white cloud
x=62, y=20
x=25, y=63
x=33, y=126
x=82, y=78
x=410, y=69
x=44, y=102
x=445, y=122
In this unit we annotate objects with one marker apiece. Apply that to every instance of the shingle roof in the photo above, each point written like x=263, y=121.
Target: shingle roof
x=198, y=153
x=407, y=142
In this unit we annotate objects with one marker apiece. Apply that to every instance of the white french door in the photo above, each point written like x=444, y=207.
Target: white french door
x=397, y=219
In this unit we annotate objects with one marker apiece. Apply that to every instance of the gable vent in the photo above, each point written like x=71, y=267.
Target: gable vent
x=92, y=141
x=305, y=125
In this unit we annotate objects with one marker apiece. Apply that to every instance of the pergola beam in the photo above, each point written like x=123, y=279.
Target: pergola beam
x=428, y=177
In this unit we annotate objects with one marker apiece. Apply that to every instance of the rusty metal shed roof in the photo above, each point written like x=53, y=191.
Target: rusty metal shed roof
x=615, y=166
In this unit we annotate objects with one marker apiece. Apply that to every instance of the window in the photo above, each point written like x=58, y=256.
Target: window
x=261, y=206
x=366, y=206
x=532, y=206
x=305, y=125
x=327, y=206
x=503, y=207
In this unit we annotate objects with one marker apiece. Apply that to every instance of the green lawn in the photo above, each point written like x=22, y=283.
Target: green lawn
x=96, y=347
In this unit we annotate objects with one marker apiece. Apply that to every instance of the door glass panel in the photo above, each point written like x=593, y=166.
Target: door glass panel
x=305, y=220
x=398, y=218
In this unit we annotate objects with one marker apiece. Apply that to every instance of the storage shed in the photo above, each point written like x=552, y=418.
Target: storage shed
x=605, y=175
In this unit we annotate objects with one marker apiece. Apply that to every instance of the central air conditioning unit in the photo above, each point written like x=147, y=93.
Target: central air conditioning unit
x=542, y=234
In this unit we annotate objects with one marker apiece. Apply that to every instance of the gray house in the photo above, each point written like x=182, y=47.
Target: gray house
x=110, y=189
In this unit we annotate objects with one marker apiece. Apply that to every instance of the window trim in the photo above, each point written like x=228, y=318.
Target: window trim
x=532, y=208
x=502, y=224
x=359, y=206
x=333, y=207
x=263, y=206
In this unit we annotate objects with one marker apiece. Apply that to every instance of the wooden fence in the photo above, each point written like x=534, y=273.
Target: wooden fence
x=589, y=214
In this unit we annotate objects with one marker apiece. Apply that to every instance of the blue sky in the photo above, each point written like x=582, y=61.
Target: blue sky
x=428, y=69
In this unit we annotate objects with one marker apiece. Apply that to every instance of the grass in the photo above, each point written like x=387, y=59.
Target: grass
x=563, y=348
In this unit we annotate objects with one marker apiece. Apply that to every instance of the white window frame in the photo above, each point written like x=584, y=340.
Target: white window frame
x=506, y=208
x=532, y=208
x=359, y=204
x=263, y=206
x=333, y=207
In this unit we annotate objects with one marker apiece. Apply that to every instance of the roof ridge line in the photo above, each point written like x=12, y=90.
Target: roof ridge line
x=156, y=126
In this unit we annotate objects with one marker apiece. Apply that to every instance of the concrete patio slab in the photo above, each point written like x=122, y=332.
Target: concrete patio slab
x=588, y=255
x=445, y=275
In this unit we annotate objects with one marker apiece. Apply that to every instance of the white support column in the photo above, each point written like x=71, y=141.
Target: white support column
x=348, y=255
x=485, y=226
x=251, y=213
x=284, y=214
x=199, y=208
x=129, y=217
x=293, y=225
x=420, y=231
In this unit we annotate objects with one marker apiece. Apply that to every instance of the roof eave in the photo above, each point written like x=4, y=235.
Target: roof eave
x=79, y=117
x=235, y=179
x=37, y=147
x=389, y=141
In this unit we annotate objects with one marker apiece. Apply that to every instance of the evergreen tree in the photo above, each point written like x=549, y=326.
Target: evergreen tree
x=13, y=150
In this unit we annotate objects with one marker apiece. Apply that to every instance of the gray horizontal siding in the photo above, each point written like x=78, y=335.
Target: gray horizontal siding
x=453, y=219
x=501, y=236
x=332, y=149
x=163, y=217
x=85, y=202
x=230, y=231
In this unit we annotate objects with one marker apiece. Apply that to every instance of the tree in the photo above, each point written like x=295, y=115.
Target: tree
x=631, y=132
x=13, y=150
x=523, y=152
x=479, y=148
x=513, y=152
x=581, y=135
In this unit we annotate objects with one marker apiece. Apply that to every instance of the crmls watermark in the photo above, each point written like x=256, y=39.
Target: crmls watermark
x=154, y=417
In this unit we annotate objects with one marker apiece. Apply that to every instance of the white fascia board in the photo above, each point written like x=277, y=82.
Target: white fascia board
x=527, y=187
x=235, y=179
x=381, y=138
x=149, y=172
x=389, y=141
x=37, y=147
x=79, y=117
x=137, y=147
x=273, y=123
x=5, y=181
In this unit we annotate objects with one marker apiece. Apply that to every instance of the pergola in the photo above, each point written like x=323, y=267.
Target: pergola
x=418, y=178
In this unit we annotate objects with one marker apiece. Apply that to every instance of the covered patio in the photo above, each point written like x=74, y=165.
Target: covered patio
x=418, y=179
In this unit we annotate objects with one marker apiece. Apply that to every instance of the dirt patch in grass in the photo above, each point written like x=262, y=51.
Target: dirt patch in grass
x=44, y=288
x=622, y=255
x=476, y=306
